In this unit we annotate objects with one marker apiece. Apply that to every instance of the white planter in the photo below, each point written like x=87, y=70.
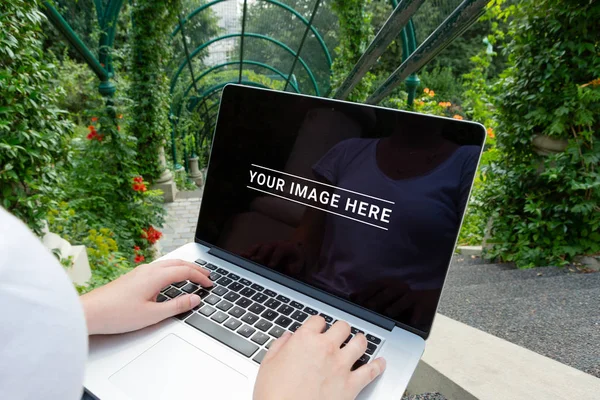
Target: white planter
x=545, y=145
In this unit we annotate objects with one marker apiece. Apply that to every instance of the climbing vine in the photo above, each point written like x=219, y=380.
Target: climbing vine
x=354, y=35
x=153, y=21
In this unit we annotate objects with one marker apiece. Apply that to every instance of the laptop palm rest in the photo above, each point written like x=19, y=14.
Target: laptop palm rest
x=171, y=366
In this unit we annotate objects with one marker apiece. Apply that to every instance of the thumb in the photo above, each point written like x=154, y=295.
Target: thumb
x=176, y=306
x=277, y=345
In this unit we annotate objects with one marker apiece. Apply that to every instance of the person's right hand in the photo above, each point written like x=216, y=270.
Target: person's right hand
x=311, y=365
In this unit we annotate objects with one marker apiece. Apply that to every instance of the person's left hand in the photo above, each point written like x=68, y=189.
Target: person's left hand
x=129, y=302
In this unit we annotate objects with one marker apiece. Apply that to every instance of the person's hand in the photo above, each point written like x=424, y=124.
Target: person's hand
x=282, y=255
x=311, y=365
x=129, y=302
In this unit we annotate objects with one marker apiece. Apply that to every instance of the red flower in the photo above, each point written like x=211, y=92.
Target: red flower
x=136, y=248
x=91, y=135
x=92, y=128
x=99, y=137
x=94, y=119
x=139, y=187
x=138, y=179
x=139, y=258
x=151, y=235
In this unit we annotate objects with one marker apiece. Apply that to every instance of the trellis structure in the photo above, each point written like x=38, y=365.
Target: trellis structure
x=289, y=67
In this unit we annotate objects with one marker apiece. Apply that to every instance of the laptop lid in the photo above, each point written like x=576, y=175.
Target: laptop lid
x=361, y=202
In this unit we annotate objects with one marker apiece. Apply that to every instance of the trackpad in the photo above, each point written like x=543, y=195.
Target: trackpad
x=173, y=368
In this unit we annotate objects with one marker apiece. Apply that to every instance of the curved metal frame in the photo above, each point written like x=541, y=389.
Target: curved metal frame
x=276, y=3
x=198, y=49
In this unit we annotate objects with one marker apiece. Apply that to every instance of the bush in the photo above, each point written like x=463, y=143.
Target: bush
x=34, y=132
x=545, y=209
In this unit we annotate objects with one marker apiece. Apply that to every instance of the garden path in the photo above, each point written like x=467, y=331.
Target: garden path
x=180, y=221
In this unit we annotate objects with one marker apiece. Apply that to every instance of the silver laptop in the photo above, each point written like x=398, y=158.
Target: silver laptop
x=311, y=206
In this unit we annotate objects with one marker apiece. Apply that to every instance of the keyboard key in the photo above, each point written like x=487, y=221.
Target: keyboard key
x=310, y=311
x=250, y=318
x=245, y=281
x=294, y=327
x=237, y=312
x=231, y=296
x=349, y=338
x=222, y=271
x=212, y=299
x=259, y=297
x=260, y=338
x=246, y=331
x=257, y=287
x=223, y=335
x=371, y=348
x=297, y=305
x=285, y=309
x=235, y=286
x=233, y=276
x=260, y=356
x=360, y=362
x=299, y=316
x=219, y=317
x=172, y=293
x=184, y=315
x=327, y=318
x=269, y=315
x=207, y=310
x=283, y=299
x=276, y=331
x=268, y=346
x=269, y=292
x=160, y=298
x=272, y=303
x=179, y=284
x=200, y=261
x=326, y=328
x=355, y=330
x=190, y=288
x=247, y=292
x=211, y=267
x=263, y=325
x=224, y=281
x=283, y=321
x=202, y=293
x=256, y=308
x=373, y=339
x=243, y=302
x=220, y=290
x=214, y=276
x=224, y=305
x=232, y=324
x=165, y=288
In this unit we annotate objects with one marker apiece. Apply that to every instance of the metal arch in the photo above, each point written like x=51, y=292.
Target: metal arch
x=254, y=35
x=276, y=3
x=208, y=71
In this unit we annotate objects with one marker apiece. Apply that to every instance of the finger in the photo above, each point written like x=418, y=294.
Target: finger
x=315, y=323
x=354, y=349
x=177, y=263
x=277, y=345
x=338, y=332
x=182, y=273
x=173, y=307
x=365, y=375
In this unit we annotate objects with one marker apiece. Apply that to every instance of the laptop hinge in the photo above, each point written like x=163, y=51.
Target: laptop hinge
x=303, y=288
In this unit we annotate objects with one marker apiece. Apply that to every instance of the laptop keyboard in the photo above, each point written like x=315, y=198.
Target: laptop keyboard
x=248, y=317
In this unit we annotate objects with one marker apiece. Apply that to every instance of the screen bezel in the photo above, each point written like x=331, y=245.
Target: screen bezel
x=379, y=319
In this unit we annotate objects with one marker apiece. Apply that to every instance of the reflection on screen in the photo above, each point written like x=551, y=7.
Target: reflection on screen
x=363, y=203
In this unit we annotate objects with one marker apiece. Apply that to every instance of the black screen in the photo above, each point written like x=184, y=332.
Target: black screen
x=362, y=202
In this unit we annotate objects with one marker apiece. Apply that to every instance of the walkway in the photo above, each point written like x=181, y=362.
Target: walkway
x=551, y=311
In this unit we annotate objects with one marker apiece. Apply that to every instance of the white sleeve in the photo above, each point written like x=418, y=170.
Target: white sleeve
x=43, y=336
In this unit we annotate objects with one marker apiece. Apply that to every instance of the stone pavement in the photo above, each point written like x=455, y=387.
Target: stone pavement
x=180, y=221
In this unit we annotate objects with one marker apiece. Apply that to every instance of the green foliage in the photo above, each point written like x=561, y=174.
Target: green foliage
x=545, y=209
x=355, y=34
x=444, y=81
x=153, y=21
x=33, y=130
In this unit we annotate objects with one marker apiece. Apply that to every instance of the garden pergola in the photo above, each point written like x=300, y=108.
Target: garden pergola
x=242, y=51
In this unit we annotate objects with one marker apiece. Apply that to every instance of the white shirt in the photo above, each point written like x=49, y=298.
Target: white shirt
x=43, y=336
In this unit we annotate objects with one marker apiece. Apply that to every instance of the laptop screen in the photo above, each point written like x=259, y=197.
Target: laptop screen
x=362, y=202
